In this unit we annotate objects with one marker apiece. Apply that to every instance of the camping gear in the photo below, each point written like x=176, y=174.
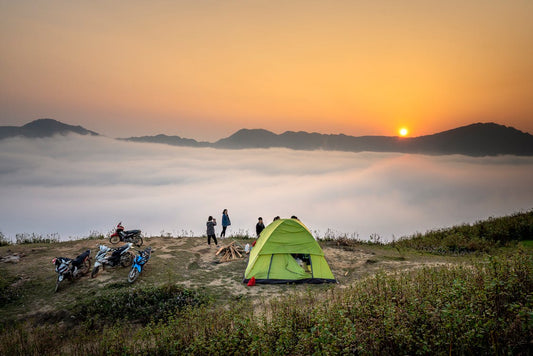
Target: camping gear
x=286, y=252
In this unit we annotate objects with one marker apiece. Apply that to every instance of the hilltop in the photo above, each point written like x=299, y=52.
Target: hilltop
x=471, y=295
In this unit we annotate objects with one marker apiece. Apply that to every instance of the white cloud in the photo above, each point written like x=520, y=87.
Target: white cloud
x=74, y=185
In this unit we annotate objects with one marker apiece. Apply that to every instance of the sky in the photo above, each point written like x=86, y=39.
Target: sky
x=205, y=69
x=74, y=186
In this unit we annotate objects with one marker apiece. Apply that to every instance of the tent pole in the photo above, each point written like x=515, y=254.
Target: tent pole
x=270, y=265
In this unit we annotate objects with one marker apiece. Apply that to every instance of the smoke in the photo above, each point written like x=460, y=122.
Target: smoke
x=75, y=185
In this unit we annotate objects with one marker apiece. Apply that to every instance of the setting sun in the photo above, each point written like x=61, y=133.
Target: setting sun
x=403, y=131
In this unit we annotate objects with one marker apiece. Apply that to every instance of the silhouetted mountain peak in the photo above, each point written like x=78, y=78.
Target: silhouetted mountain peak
x=43, y=128
x=479, y=139
x=248, y=138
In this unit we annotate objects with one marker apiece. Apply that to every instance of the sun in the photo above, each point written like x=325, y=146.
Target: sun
x=403, y=132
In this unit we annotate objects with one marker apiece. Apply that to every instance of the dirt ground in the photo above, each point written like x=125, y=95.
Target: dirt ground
x=188, y=262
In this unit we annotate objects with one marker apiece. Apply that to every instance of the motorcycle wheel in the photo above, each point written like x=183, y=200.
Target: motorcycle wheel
x=132, y=276
x=95, y=271
x=138, y=241
x=85, y=267
x=114, y=239
x=126, y=259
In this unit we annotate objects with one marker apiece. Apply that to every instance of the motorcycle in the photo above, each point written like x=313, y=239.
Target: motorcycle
x=72, y=269
x=126, y=236
x=138, y=264
x=119, y=256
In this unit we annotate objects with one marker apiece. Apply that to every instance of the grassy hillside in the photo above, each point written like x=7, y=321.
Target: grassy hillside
x=391, y=299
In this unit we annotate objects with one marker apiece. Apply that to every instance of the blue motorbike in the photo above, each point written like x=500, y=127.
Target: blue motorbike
x=138, y=263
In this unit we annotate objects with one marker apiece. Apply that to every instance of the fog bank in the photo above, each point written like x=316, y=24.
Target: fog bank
x=76, y=185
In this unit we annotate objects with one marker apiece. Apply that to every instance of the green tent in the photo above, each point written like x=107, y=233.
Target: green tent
x=286, y=252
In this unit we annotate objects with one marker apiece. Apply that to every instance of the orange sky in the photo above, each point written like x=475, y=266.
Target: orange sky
x=204, y=69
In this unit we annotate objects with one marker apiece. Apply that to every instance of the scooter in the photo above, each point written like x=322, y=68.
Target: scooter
x=72, y=269
x=126, y=236
x=138, y=264
x=119, y=256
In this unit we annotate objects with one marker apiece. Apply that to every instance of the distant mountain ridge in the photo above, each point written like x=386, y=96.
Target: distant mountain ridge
x=479, y=139
x=43, y=128
x=169, y=140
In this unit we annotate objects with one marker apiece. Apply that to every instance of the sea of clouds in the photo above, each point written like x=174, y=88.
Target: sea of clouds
x=75, y=186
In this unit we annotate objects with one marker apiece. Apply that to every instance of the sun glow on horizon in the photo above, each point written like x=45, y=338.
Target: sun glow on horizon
x=403, y=132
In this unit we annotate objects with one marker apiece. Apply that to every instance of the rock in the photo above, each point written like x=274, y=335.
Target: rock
x=11, y=259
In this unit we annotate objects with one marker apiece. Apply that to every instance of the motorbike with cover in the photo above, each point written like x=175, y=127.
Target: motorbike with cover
x=119, y=256
x=138, y=263
x=72, y=269
x=133, y=236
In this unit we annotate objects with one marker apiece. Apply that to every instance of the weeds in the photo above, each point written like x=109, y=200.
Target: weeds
x=482, y=308
x=9, y=290
x=3, y=240
x=33, y=238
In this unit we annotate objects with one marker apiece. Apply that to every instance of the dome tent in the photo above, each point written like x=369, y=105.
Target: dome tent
x=286, y=252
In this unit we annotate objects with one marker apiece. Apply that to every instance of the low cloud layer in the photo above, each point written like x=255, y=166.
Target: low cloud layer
x=77, y=185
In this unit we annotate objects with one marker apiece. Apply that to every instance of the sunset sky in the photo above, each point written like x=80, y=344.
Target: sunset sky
x=204, y=69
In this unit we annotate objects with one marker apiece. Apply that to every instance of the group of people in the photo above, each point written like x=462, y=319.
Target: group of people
x=212, y=222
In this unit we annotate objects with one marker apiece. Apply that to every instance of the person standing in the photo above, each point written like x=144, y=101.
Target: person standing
x=259, y=226
x=211, y=223
x=225, y=222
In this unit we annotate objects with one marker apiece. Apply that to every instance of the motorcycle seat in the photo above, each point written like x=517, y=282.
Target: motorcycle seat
x=79, y=260
x=132, y=232
x=120, y=249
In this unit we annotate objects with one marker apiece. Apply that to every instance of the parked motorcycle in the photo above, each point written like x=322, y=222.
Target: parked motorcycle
x=72, y=269
x=126, y=236
x=119, y=256
x=138, y=264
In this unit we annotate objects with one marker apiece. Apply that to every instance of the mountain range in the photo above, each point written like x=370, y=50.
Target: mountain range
x=479, y=139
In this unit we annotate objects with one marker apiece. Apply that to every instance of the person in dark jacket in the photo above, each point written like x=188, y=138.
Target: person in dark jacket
x=225, y=222
x=259, y=226
x=211, y=223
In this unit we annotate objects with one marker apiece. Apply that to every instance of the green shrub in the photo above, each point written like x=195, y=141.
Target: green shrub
x=8, y=291
x=483, y=236
x=137, y=304
x=34, y=238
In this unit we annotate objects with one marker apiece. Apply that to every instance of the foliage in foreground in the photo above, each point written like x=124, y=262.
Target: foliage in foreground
x=140, y=305
x=482, y=236
x=484, y=308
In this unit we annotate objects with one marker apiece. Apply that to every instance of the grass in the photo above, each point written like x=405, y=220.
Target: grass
x=398, y=298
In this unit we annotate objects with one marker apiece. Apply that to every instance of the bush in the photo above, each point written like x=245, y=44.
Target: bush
x=9, y=292
x=138, y=304
x=483, y=236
